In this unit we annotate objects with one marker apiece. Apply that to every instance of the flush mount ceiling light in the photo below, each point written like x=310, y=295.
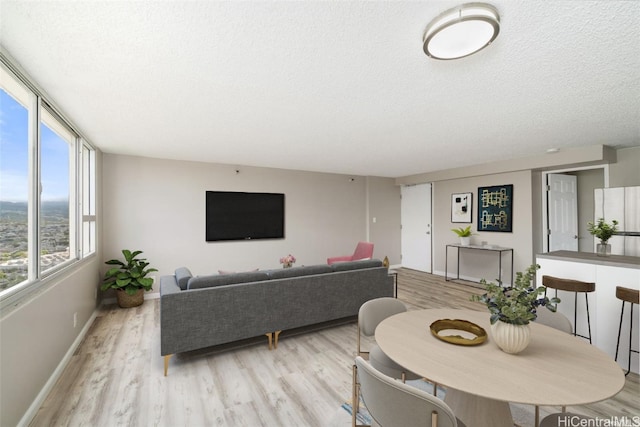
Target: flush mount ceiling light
x=461, y=31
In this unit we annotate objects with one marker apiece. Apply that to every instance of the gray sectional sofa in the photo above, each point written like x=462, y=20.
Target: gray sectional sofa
x=203, y=311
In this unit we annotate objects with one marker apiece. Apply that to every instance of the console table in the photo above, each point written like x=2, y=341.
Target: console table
x=498, y=249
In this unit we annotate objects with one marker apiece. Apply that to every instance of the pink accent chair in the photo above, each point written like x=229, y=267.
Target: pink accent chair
x=364, y=250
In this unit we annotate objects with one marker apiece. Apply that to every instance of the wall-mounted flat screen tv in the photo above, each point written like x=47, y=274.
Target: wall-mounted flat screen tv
x=234, y=215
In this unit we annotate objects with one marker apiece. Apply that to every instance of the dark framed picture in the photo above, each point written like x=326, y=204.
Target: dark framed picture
x=461, y=207
x=495, y=208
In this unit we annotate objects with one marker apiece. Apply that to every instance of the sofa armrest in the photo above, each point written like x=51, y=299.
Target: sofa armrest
x=335, y=259
x=169, y=285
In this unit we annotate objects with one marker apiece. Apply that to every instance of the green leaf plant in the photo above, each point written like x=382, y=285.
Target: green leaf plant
x=519, y=303
x=130, y=275
x=602, y=230
x=462, y=232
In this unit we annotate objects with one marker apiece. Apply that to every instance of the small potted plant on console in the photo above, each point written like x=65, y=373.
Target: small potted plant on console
x=464, y=234
x=129, y=279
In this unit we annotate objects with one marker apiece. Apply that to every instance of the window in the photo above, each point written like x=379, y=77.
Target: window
x=56, y=211
x=15, y=115
x=47, y=187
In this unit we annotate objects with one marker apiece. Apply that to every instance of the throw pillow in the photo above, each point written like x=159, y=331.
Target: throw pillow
x=182, y=277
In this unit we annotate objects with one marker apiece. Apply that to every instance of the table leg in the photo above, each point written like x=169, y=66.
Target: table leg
x=477, y=410
x=512, y=278
x=446, y=262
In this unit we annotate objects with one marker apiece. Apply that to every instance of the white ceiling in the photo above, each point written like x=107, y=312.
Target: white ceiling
x=332, y=86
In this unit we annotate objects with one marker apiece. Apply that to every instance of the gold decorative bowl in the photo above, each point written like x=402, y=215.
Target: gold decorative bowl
x=460, y=325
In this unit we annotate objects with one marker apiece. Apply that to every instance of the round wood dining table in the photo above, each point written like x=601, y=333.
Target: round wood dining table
x=556, y=369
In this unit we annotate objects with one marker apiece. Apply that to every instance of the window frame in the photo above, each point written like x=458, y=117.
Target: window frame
x=82, y=179
x=49, y=118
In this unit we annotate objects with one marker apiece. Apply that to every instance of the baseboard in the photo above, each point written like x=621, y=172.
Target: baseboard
x=148, y=295
x=40, y=398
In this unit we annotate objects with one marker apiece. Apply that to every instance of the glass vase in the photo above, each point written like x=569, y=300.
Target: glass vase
x=603, y=249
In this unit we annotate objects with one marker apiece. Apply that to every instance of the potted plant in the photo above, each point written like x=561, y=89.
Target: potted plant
x=129, y=279
x=464, y=234
x=512, y=308
x=603, y=231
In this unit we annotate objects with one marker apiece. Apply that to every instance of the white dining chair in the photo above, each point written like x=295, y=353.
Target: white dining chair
x=560, y=322
x=370, y=315
x=392, y=403
x=554, y=319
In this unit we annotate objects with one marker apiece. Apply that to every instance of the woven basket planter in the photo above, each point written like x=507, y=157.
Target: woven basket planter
x=127, y=301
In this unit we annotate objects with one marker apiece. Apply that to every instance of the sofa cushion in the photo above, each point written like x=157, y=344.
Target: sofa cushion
x=356, y=265
x=182, y=277
x=284, y=273
x=199, y=282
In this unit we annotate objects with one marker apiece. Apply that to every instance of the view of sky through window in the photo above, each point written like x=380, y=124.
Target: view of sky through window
x=14, y=162
x=14, y=153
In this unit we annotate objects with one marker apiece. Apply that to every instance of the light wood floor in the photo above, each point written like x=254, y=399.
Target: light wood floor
x=116, y=375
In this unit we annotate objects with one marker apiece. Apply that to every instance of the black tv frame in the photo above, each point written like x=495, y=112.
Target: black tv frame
x=236, y=215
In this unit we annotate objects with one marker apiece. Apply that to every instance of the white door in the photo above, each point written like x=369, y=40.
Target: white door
x=562, y=199
x=416, y=227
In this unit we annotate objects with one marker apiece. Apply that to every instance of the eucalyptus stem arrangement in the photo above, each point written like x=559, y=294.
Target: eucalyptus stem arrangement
x=516, y=304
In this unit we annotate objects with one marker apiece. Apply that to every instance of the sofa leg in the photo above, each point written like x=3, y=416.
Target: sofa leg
x=270, y=337
x=166, y=363
x=276, y=334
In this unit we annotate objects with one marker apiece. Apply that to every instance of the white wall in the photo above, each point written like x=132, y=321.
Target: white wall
x=625, y=172
x=38, y=333
x=158, y=206
x=483, y=264
x=384, y=208
x=587, y=181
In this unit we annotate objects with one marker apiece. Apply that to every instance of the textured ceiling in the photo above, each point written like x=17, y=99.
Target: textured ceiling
x=332, y=86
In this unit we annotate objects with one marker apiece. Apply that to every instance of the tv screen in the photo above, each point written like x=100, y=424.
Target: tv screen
x=244, y=216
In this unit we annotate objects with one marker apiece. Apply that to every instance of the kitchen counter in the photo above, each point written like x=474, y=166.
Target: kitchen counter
x=591, y=258
x=604, y=307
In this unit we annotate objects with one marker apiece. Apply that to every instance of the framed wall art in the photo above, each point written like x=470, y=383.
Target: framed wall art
x=495, y=208
x=461, y=207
